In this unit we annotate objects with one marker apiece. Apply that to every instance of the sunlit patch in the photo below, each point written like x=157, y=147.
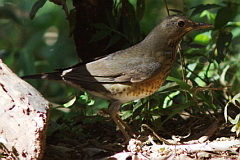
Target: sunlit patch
x=51, y=36
x=44, y=76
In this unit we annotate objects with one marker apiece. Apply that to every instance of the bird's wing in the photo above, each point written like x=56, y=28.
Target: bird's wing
x=115, y=68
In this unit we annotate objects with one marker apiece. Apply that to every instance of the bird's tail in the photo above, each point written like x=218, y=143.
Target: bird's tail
x=55, y=76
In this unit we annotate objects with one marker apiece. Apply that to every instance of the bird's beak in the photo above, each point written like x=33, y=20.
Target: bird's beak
x=196, y=26
x=202, y=25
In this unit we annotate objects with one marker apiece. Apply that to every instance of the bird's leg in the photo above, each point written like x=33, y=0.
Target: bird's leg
x=124, y=124
x=120, y=126
x=113, y=109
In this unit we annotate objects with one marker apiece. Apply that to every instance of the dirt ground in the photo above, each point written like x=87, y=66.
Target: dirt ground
x=193, y=139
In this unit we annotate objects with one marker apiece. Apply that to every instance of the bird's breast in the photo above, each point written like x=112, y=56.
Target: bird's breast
x=133, y=91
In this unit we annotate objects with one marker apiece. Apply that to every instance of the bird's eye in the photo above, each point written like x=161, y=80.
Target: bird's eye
x=181, y=23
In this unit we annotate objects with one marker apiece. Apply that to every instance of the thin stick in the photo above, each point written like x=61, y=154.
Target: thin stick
x=166, y=6
x=157, y=136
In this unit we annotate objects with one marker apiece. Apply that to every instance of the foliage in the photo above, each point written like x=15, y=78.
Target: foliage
x=205, y=83
x=236, y=121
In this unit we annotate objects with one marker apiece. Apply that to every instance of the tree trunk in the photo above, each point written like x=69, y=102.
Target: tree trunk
x=23, y=118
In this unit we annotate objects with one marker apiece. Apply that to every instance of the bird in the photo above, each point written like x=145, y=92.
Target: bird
x=130, y=74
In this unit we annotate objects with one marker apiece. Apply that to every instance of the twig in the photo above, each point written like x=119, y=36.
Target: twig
x=166, y=6
x=157, y=136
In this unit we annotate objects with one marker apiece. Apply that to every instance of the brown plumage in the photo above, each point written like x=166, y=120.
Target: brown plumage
x=129, y=74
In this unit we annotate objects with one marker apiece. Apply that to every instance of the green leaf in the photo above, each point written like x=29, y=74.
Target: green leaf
x=178, y=110
x=71, y=102
x=224, y=15
x=236, y=128
x=200, y=8
x=223, y=42
x=8, y=13
x=128, y=10
x=111, y=19
x=167, y=87
x=182, y=84
x=27, y=59
x=100, y=35
x=234, y=9
x=140, y=9
x=126, y=114
x=202, y=39
x=236, y=100
x=115, y=38
x=226, y=111
x=84, y=99
x=236, y=120
x=37, y=5
x=90, y=102
x=168, y=100
x=137, y=111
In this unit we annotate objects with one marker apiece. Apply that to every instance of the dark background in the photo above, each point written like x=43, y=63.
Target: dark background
x=53, y=39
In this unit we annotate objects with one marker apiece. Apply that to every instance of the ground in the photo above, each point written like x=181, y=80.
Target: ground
x=195, y=138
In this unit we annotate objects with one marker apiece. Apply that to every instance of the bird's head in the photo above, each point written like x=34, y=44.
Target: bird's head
x=174, y=27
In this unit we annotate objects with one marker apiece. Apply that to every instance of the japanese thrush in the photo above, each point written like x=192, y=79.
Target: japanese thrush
x=132, y=73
